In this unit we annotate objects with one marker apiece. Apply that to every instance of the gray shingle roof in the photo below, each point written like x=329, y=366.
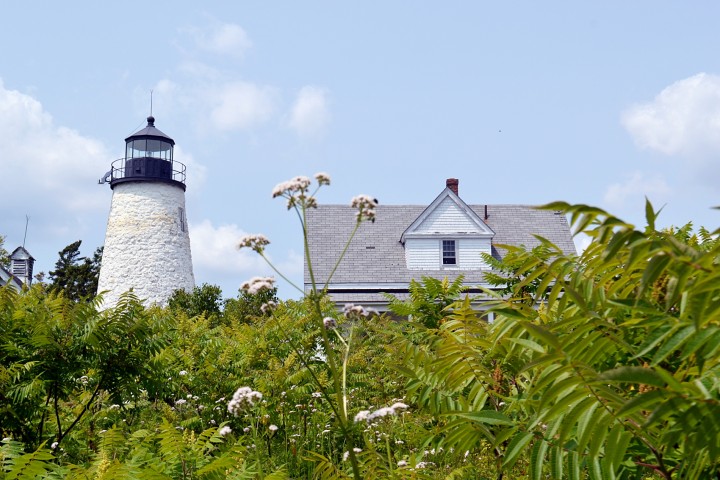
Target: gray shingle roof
x=376, y=255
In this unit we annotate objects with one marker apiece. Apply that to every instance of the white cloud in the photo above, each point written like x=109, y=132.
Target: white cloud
x=214, y=251
x=240, y=105
x=684, y=118
x=217, y=260
x=223, y=39
x=215, y=104
x=196, y=172
x=634, y=188
x=44, y=165
x=310, y=114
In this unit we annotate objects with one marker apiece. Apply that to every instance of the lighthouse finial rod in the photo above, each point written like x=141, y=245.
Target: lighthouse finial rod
x=151, y=92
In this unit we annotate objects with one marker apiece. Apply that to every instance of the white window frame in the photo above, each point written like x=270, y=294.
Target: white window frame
x=455, y=251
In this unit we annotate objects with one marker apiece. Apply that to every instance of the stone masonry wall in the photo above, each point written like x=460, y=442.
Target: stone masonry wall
x=147, y=244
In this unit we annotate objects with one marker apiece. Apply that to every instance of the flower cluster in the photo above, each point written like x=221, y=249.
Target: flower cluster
x=329, y=322
x=357, y=311
x=225, y=431
x=258, y=284
x=257, y=242
x=365, y=206
x=366, y=415
x=268, y=307
x=322, y=178
x=346, y=455
x=243, y=399
x=295, y=190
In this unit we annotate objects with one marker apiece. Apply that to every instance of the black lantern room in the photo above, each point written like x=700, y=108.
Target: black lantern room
x=148, y=158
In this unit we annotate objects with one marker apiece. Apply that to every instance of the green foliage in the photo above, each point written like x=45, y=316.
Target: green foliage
x=15, y=464
x=602, y=374
x=428, y=300
x=248, y=306
x=4, y=255
x=55, y=353
x=74, y=276
x=203, y=300
x=510, y=276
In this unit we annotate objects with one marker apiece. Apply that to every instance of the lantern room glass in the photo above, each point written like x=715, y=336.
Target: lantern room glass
x=149, y=148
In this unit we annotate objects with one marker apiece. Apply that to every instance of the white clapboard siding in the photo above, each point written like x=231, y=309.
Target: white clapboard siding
x=425, y=253
x=422, y=254
x=469, y=250
x=447, y=218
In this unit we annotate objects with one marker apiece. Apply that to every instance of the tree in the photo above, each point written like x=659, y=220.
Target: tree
x=246, y=306
x=428, y=300
x=206, y=299
x=55, y=352
x=614, y=371
x=74, y=276
x=4, y=255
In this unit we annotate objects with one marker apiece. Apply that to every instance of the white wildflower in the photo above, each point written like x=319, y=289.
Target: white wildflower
x=366, y=415
x=351, y=310
x=54, y=445
x=181, y=401
x=294, y=190
x=346, y=455
x=273, y=428
x=365, y=205
x=317, y=395
x=243, y=398
x=268, y=307
x=329, y=322
x=225, y=431
x=258, y=284
x=362, y=415
x=357, y=450
x=322, y=178
x=182, y=373
x=256, y=242
x=402, y=463
x=298, y=184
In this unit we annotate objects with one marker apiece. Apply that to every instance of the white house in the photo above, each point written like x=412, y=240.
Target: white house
x=408, y=242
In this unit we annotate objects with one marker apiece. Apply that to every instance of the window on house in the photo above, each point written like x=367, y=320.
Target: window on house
x=449, y=256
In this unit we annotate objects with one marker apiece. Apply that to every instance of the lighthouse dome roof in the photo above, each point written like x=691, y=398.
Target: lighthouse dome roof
x=150, y=131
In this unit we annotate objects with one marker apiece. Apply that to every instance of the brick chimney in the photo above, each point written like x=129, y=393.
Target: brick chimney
x=452, y=184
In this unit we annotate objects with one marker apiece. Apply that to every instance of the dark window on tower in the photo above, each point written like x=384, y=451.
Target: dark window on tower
x=449, y=256
x=181, y=215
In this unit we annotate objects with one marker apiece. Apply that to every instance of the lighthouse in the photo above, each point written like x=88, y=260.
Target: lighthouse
x=147, y=243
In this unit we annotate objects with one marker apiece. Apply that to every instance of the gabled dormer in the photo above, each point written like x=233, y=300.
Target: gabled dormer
x=448, y=234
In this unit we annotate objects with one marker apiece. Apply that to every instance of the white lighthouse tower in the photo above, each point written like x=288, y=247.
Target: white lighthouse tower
x=147, y=244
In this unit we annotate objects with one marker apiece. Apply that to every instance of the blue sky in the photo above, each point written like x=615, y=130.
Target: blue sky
x=524, y=102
